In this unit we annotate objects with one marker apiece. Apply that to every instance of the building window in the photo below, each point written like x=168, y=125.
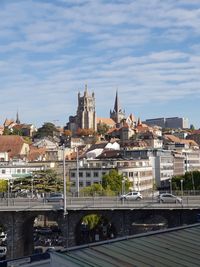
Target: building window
x=88, y=183
x=80, y=174
x=23, y=170
x=96, y=174
x=73, y=184
x=73, y=174
x=3, y=171
x=81, y=184
x=88, y=174
x=18, y=171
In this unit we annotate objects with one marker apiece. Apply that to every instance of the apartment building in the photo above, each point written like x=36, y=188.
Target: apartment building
x=138, y=172
x=192, y=160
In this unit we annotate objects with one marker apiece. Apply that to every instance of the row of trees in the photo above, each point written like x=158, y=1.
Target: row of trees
x=111, y=185
x=40, y=181
x=191, y=181
x=49, y=129
x=49, y=181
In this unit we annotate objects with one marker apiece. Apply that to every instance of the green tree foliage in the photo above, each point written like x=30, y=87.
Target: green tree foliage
x=192, y=127
x=113, y=182
x=43, y=181
x=94, y=189
x=102, y=128
x=3, y=185
x=191, y=181
x=14, y=131
x=92, y=220
x=48, y=129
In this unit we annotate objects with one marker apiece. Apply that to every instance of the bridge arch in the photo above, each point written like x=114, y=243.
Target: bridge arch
x=94, y=227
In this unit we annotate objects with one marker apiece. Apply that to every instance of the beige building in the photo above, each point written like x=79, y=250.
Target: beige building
x=138, y=172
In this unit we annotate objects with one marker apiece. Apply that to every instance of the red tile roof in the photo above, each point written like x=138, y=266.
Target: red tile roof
x=36, y=153
x=107, y=121
x=11, y=144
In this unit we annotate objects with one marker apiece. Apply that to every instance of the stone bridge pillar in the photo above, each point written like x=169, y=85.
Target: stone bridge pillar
x=19, y=237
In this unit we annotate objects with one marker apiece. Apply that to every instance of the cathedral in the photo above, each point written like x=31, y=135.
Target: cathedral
x=117, y=114
x=86, y=115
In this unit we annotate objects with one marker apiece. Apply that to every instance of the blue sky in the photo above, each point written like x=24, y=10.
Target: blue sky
x=148, y=49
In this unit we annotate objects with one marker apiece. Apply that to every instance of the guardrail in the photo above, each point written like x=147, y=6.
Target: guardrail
x=95, y=202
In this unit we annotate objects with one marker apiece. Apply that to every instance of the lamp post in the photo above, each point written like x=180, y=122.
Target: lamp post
x=32, y=180
x=193, y=187
x=77, y=172
x=64, y=183
x=123, y=185
x=170, y=185
x=8, y=196
x=181, y=188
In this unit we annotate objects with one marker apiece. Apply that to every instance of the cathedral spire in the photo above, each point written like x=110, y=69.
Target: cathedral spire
x=117, y=115
x=86, y=90
x=17, y=118
x=116, y=106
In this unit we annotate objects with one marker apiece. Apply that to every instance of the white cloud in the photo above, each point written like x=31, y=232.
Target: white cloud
x=50, y=49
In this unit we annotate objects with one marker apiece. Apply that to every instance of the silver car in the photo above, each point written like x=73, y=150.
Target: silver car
x=169, y=198
x=133, y=195
x=55, y=197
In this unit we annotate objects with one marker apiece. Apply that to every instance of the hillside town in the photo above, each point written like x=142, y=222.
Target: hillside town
x=146, y=153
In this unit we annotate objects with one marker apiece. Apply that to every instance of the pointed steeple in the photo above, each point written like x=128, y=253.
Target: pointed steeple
x=116, y=106
x=86, y=90
x=17, y=118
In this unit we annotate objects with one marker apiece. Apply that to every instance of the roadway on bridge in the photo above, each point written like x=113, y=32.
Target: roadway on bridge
x=75, y=203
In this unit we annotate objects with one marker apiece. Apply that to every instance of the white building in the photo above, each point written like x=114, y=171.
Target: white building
x=138, y=172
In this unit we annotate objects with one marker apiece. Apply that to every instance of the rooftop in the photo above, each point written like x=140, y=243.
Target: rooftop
x=171, y=247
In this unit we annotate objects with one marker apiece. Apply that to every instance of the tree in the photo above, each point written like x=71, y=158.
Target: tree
x=67, y=133
x=13, y=131
x=48, y=129
x=85, y=132
x=92, y=220
x=113, y=181
x=43, y=181
x=191, y=181
x=94, y=189
x=192, y=127
x=3, y=185
x=102, y=128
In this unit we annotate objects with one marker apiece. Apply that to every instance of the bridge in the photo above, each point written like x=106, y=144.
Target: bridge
x=18, y=215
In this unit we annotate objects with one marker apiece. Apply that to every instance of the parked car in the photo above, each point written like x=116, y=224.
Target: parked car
x=133, y=195
x=54, y=197
x=169, y=198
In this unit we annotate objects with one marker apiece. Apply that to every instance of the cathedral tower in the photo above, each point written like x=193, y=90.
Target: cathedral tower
x=86, y=114
x=117, y=114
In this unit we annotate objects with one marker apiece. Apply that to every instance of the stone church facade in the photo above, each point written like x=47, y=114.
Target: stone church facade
x=85, y=117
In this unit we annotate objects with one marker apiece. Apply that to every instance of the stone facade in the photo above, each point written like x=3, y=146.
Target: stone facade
x=117, y=114
x=86, y=115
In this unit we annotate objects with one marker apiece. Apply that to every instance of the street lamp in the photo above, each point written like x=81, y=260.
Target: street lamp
x=64, y=183
x=170, y=185
x=77, y=172
x=181, y=187
x=8, y=196
x=123, y=185
x=32, y=180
